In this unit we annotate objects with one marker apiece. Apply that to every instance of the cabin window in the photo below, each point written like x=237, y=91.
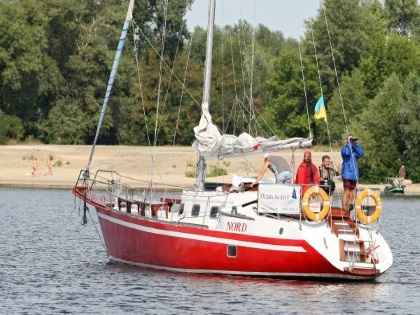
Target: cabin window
x=214, y=211
x=232, y=251
x=195, y=210
x=178, y=207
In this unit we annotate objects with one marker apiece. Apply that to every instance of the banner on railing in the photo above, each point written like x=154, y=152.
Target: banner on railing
x=279, y=198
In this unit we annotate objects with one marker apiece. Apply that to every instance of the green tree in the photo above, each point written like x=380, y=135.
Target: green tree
x=402, y=16
x=11, y=127
x=156, y=21
x=345, y=108
x=25, y=68
x=289, y=107
x=409, y=125
x=380, y=134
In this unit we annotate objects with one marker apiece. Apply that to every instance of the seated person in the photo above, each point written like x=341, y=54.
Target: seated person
x=327, y=171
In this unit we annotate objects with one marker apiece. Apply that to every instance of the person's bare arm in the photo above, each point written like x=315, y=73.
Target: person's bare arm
x=262, y=172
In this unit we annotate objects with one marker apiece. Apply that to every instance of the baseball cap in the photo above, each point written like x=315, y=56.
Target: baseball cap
x=307, y=153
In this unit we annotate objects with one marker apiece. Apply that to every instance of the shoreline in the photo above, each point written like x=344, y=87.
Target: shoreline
x=171, y=166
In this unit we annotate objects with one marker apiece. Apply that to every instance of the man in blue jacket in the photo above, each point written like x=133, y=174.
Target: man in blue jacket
x=350, y=153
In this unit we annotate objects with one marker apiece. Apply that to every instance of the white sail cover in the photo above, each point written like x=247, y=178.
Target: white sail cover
x=211, y=144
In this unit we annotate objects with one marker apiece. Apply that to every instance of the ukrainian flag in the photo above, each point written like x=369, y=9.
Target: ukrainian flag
x=320, y=109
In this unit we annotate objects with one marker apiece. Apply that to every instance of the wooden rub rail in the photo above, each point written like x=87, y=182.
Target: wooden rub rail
x=362, y=271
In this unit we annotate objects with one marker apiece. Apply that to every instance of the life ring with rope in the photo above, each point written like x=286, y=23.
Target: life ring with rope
x=305, y=203
x=378, y=206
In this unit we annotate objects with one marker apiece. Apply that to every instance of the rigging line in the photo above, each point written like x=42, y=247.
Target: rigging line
x=338, y=84
x=243, y=52
x=153, y=153
x=165, y=13
x=251, y=88
x=224, y=127
x=142, y=97
x=303, y=76
x=157, y=119
x=320, y=80
x=170, y=80
x=120, y=47
x=335, y=66
x=182, y=95
x=140, y=81
x=261, y=129
x=99, y=234
x=164, y=62
x=233, y=64
x=242, y=56
x=91, y=218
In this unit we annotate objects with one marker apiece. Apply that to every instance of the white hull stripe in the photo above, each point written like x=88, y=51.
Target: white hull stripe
x=203, y=238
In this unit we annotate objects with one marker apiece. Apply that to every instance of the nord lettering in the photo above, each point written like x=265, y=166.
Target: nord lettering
x=237, y=226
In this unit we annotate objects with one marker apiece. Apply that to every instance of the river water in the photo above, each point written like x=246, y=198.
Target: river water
x=50, y=263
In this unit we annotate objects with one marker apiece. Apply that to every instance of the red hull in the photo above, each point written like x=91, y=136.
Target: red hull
x=151, y=243
x=146, y=241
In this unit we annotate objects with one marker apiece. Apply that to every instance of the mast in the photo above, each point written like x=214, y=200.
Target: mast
x=120, y=47
x=201, y=165
x=209, y=53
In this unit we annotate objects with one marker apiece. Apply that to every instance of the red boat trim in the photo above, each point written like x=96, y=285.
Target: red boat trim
x=250, y=273
x=203, y=238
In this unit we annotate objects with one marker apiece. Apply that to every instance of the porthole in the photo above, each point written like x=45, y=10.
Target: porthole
x=232, y=251
x=214, y=211
x=195, y=210
x=281, y=231
x=180, y=208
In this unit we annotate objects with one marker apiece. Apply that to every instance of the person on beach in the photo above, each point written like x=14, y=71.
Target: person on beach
x=279, y=166
x=34, y=167
x=49, y=164
x=350, y=152
x=307, y=173
x=401, y=173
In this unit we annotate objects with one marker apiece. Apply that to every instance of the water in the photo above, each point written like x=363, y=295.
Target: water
x=51, y=264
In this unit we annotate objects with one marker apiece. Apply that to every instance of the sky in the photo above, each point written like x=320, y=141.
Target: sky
x=286, y=16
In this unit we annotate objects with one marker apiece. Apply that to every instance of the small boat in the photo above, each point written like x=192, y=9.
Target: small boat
x=235, y=228
x=394, y=185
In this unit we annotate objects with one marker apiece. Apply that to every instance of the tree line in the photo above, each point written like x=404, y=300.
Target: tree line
x=363, y=56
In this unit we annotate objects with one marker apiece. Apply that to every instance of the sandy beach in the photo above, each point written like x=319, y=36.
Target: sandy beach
x=171, y=166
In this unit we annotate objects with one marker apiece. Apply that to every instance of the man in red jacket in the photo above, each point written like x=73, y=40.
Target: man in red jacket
x=307, y=173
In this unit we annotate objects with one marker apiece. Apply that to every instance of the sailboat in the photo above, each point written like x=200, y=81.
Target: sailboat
x=241, y=229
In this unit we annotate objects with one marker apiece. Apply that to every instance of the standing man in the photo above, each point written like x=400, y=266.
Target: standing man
x=307, y=173
x=350, y=152
x=278, y=166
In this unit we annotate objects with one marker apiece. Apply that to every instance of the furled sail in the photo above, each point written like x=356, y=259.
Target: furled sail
x=211, y=144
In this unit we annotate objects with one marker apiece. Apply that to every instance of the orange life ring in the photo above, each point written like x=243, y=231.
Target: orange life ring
x=305, y=203
x=378, y=206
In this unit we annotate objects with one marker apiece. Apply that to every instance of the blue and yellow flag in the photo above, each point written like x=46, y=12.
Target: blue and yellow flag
x=320, y=109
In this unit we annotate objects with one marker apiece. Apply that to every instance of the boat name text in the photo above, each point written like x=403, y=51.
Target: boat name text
x=237, y=226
